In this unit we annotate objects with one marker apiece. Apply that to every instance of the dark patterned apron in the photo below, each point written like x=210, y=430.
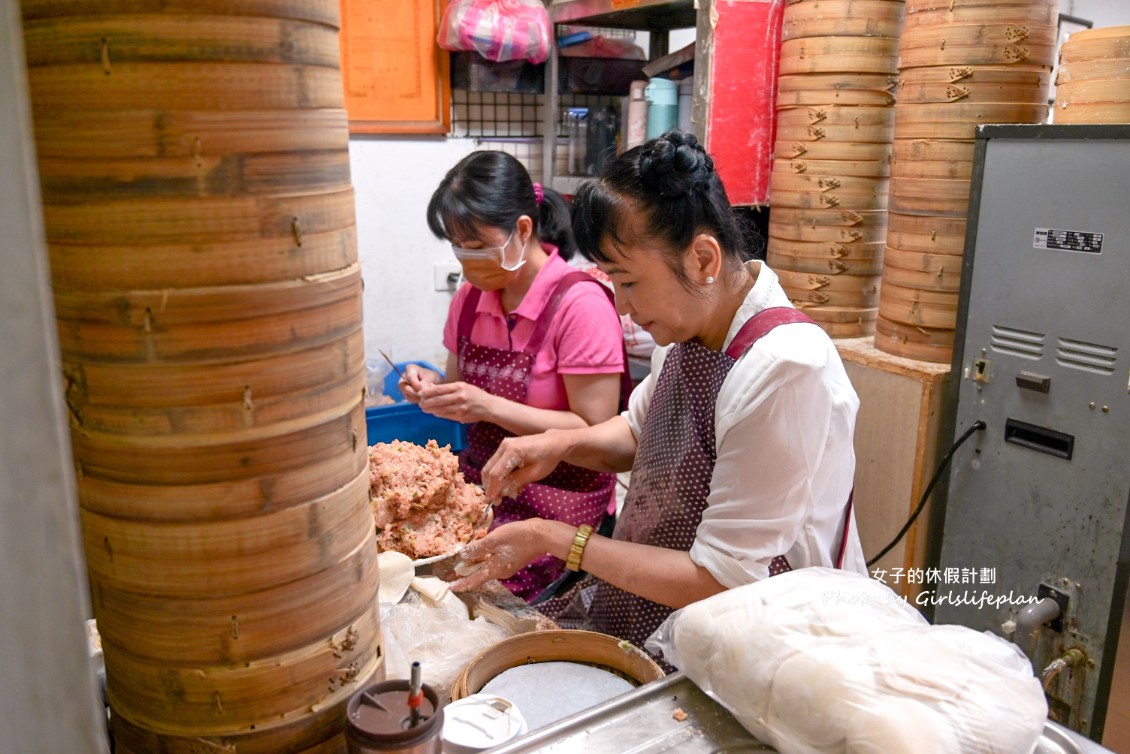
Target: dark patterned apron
x=670, y=479
x=570, y=493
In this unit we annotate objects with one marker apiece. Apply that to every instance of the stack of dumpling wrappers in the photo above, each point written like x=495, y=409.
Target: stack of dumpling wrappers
x=820, y=661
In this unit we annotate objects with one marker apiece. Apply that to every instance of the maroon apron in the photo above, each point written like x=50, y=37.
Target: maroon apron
x=570, y=493
x=670, y=479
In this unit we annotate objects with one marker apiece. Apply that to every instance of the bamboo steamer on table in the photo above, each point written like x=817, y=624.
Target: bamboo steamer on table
x=1093, y=81
x=927, y=272
x=201, y=229
x=914, y=342
x=959, y=120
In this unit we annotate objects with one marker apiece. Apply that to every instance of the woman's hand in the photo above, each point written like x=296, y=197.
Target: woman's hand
x=499, y=555
x=458, y=401
x=415, y=381
x=520, y=461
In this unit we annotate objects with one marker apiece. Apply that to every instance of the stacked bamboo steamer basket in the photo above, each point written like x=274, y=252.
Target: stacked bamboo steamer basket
x=962, y=63
x=1093, y=77
x=828, y=187
x=200, y=225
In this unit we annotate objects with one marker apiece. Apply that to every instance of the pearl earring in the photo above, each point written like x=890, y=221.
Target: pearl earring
x=710, y=280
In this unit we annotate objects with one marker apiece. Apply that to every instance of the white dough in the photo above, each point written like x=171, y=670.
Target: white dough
x=396, y=574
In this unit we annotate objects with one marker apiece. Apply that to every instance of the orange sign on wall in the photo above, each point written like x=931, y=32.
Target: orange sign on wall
x=396, y=76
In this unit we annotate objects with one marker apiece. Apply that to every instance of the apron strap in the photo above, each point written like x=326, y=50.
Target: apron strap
x=760, y=325
x=847, y=525
x=467, y=313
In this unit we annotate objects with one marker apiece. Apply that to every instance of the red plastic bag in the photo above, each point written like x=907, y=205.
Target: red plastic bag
x=499, y=30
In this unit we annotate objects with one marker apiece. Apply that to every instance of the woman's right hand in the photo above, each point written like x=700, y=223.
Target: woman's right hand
x=522, y=460
x=415, y=379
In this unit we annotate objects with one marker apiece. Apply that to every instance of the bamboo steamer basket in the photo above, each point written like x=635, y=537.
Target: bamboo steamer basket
x=929, y=196
x=804, y=288
x=1036, y=13
x=846, y=18
x=843, y=322
x=911, y=342
x=817, y=200
x=826, y=233
x=267, y=623
x=854, y=168
x=961, y=35
x=879, y=97
x=913, y=306
x=1093, y=70
x=837, y=82
x=823, y=263
x=820, y=149
x=829, y=217
x=927, y=272
x=959, y=120
x=843, y=184
x=1096, y=91
x=1096, y=44
x=926, y=234
x=851, y=116
x=815, y=132
x=839, y=54
x=1031, y=56
x=587, y=647
x=932, y=158
x=826, y=250
x=232, y=697
x=200, y=223
x=973, y=84
x=1092, y=112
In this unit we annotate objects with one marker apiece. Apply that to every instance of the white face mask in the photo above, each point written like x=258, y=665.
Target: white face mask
x=503, y=255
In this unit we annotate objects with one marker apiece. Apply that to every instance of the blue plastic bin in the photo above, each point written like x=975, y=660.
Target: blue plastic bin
x=406, y=422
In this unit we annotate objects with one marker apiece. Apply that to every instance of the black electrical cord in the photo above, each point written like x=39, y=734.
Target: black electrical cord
x=977, y=425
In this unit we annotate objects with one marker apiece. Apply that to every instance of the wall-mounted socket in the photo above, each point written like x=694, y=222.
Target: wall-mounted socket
x=446, y=275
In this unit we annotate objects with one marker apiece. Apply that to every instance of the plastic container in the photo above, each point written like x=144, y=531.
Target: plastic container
x=662, y=108
x=405, y=421
x=577, y=128
x=686, y=99
x=479, y=722
x=635, y=130
x=376, y=720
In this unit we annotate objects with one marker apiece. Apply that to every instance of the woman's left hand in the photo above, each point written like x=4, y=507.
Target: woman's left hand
x=458, y=401
x=498, y=555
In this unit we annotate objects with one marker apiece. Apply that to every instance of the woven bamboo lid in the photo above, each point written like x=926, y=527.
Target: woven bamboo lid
x=821, y=149
x=912, y=342
x=1037, y=13
x=1096, y=44
x=835, y=115
x=829, y=217
x=856, y=168
x=913, y=306
x=587, y=647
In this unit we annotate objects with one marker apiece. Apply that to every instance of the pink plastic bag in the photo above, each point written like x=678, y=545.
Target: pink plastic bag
x=499, y=30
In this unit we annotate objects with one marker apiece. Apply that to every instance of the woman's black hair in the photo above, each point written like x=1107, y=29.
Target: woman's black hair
x=490, y=188
x=671, y=185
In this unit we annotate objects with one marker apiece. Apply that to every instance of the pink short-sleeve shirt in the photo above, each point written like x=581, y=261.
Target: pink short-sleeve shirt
x=584, y=337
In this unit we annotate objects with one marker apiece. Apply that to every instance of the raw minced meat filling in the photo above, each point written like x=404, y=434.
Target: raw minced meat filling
x=422, y=506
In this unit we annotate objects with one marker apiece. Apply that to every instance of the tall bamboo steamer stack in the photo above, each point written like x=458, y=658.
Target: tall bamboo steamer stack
x=962, y=63
x=200, y=224
x=831, y=164
x=1093, y=78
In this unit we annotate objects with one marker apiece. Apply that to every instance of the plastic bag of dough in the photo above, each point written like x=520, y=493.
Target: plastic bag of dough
x=822, y=661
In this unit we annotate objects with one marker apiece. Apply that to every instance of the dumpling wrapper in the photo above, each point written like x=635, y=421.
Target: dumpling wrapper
x=396, y=574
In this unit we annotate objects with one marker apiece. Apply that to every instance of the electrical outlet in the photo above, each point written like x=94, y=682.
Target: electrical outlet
x=446, y=275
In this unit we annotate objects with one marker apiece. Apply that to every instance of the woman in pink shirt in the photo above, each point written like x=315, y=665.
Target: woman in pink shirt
x=534, y=345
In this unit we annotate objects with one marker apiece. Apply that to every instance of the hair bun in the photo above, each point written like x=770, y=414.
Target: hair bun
x=674, y=165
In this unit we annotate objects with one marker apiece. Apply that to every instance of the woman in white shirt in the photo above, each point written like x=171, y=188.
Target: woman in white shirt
x=739, y=441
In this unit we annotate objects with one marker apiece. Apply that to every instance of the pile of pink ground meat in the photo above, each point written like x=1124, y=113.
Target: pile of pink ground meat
x=422, y=506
